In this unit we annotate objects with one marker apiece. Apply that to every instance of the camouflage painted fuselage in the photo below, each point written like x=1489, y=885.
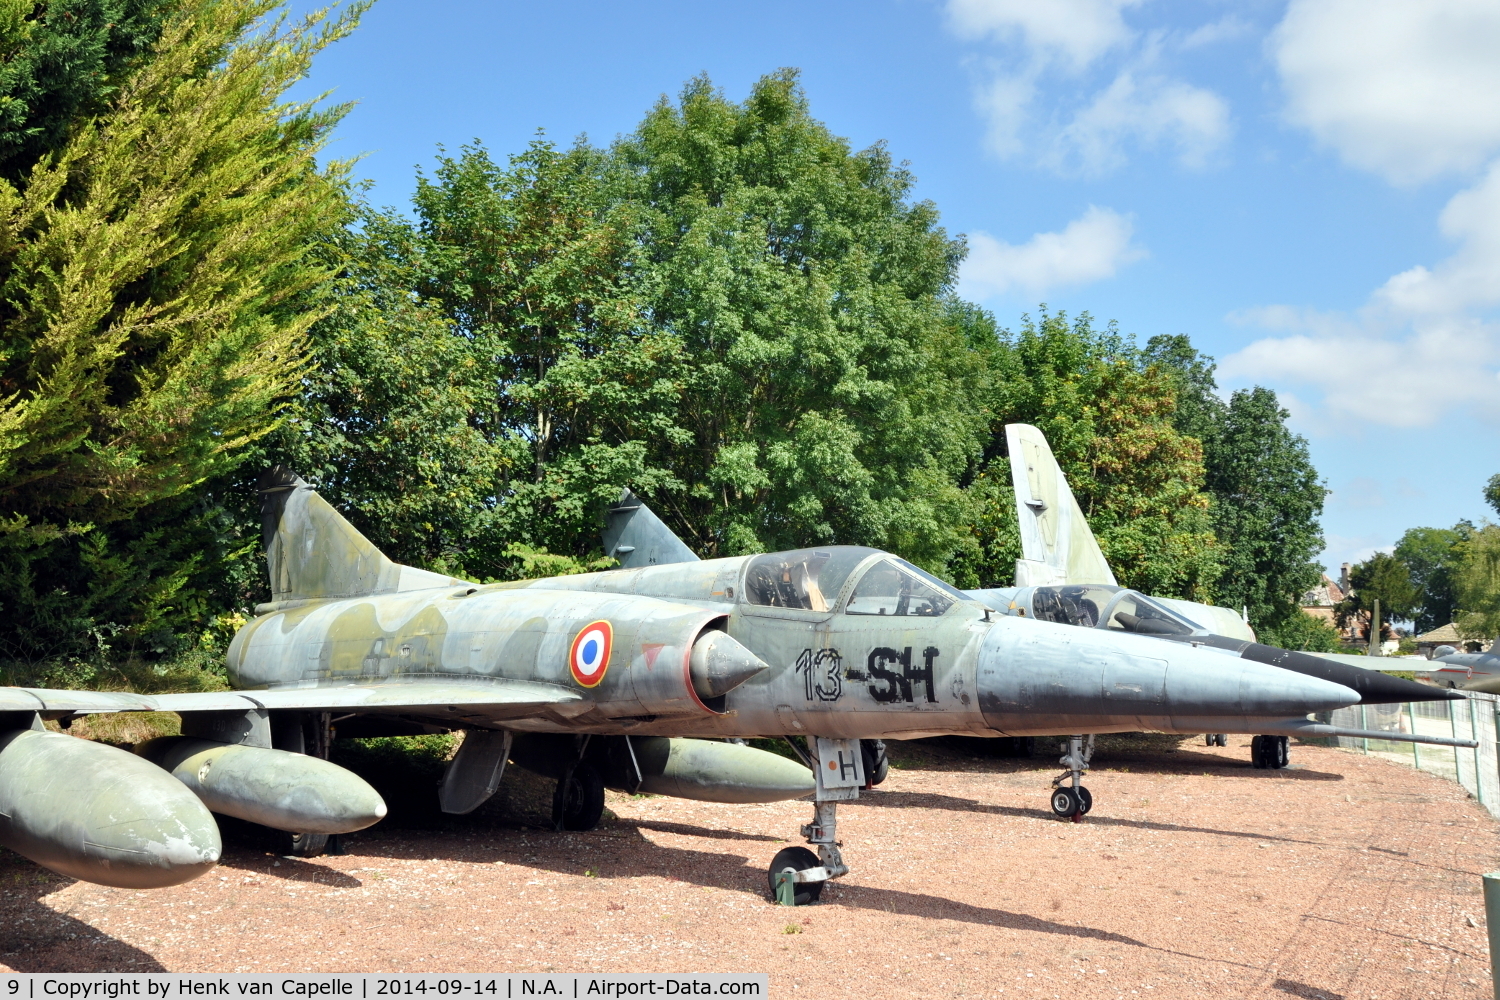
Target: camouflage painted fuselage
x=829, y=672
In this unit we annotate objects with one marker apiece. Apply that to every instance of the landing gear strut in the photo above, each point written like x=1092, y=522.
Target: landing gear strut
x=1073, y=801
x=797, y=875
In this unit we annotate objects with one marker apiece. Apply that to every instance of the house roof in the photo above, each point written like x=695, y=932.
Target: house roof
x=1324, y=595
x=1444, y=633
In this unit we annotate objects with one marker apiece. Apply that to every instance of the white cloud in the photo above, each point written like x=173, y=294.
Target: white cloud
x=1004, y=102
x=1090, y=248
x=1048, y=46
x=1417, y=350
x=1075, y=32
x=1469, y=278
x=1151, y=110
x=1368, y=377
x=1403, y=88
x=1222, y=30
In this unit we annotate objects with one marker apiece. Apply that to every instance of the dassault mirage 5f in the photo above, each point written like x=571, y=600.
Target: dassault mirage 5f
x=638, y=678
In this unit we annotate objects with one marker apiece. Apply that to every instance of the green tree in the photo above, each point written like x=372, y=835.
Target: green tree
x=1383, y=578
x=1431, y=556
x=728, y=311
x=1267, y=497
x=61, y=61
x=157, y=281
x=1106, y=410
x=1492, y=492
x=1477, y=585
x=825, y=396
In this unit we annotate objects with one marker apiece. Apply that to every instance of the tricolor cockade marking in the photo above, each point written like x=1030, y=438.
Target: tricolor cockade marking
x=590, y=653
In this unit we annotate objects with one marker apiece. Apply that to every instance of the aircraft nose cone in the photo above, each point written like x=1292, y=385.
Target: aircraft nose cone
x=1041, y=677
x=1205, y=683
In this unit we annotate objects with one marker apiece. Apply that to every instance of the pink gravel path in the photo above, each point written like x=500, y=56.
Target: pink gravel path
x=1195, y=876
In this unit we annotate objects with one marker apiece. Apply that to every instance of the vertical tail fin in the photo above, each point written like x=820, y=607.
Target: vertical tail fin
x=1056, y=544
x=312, y=552
x=635, y=536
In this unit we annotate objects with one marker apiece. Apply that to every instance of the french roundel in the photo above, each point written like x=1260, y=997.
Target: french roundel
x=589, y=656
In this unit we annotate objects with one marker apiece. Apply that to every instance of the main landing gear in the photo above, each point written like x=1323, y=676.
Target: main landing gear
x=1216, y=739
x=1073, y=801
x=1269, y=752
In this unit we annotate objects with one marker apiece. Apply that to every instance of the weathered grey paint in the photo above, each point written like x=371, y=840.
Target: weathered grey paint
x=719, y=772
x=97, y=813
x=285, y=791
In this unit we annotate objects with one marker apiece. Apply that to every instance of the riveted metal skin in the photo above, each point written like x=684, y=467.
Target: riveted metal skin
x=98, y=813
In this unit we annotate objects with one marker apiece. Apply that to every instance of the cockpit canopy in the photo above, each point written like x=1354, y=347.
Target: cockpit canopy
x=1098, y=606
x=812, y=579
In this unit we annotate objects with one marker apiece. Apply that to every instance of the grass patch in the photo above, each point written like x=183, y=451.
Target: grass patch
x=124, y=728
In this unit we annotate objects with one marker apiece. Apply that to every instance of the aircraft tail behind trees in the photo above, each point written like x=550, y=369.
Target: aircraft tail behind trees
x=1057, y=546
x=635, y=536
x=313, y=553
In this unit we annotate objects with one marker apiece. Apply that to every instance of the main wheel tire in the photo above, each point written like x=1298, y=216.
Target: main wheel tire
x=1065, y=805
x=1210, y=739
x=877, y=765
x=796, y=859
x=579, y=799
x=1221, y=739
x=300, y=845
x=1280, y=751
x=1258, y=752
x=1085, y=800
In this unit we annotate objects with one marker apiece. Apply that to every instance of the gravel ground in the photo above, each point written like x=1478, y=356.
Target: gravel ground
x=1194, y=876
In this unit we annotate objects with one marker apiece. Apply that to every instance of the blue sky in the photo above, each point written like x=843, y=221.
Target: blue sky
x=1310, y=190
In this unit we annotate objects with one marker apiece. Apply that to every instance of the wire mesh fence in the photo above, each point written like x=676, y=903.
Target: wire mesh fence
x=1476, y=718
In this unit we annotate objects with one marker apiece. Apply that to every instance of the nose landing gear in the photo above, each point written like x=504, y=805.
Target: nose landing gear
x=1073, y=801
x=797, y=875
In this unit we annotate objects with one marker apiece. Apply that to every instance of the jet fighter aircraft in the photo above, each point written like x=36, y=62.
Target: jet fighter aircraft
x=1469, y=671
x=628, y=678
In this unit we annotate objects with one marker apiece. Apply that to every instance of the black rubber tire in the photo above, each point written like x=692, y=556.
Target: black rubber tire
x=1085, y=800
x=1210, y=739
x=1221, y=739
x=796, y=859
x=1280, y=751
x=877, y=765
x=1270, y=752
x=1064, y=803
x=300, y=845
x=581, y=803
x=1257, y=752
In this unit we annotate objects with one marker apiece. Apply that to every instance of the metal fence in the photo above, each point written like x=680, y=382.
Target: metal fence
x=1477, y=718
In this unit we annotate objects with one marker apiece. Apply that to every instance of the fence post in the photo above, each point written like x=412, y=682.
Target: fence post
x=1411, y=715
x=1474, y=735
x=1492, y=926
x=1364, y=744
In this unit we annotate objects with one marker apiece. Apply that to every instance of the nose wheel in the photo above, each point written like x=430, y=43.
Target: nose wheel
x=1072, y=801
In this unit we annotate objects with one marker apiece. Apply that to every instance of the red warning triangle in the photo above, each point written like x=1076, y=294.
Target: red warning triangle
x=650, y=651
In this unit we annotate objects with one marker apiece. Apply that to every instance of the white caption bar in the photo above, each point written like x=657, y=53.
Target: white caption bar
x=369, y=986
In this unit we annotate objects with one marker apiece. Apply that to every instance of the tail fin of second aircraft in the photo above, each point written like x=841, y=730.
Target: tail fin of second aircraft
x=1056, y=544
x=635, y=536
x=312, y=552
